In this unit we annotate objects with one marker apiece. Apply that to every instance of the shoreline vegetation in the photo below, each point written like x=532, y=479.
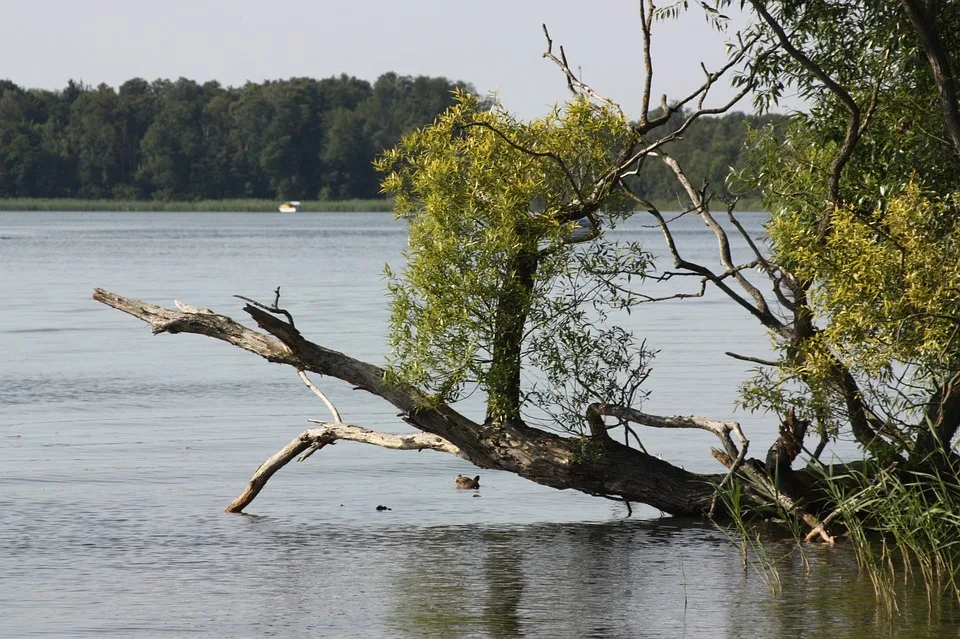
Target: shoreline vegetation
x=382, y=205
x=196, y=206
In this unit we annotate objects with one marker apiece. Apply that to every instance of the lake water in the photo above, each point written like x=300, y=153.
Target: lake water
x=119, y=451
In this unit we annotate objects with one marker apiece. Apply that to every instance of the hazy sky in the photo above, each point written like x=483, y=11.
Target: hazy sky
x=495, y=44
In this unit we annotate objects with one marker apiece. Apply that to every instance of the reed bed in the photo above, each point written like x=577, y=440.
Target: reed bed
x=904, y=526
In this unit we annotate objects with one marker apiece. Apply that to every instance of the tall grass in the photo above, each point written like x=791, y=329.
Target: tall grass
x=749, y=529
x=903, y=524
x=241, y=206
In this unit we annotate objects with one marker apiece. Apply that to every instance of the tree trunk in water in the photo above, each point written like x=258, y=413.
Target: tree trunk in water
x=597, y=466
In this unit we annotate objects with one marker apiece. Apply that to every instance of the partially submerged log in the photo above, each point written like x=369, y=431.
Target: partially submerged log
x=596, y=465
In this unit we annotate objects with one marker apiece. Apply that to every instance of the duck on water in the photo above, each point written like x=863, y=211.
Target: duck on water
x=468, y=483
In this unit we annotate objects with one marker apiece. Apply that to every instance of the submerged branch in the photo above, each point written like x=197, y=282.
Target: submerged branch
x=314, y=439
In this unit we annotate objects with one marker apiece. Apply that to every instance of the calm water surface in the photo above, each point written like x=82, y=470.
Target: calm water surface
x=119, y=451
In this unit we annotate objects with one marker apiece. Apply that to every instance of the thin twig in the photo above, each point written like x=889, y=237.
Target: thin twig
x=316, y=391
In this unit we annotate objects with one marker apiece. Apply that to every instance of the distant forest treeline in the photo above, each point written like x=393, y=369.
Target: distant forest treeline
x=288, y=139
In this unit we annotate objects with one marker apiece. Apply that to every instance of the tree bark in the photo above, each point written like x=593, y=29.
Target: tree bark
x=942, y=420
x=511, y=318
x=597, y=466
x=925, y=24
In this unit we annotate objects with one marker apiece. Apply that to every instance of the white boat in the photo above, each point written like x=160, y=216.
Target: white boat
x=290, y=207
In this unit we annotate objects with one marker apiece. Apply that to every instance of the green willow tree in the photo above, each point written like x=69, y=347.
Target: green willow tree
x=864, y=192
x=496, y=275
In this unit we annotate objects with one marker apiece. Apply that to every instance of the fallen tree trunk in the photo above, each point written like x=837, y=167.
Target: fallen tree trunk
x=597, y=465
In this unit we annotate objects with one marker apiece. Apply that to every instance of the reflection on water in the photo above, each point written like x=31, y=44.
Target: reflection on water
x=118, y=452
x=258, y=576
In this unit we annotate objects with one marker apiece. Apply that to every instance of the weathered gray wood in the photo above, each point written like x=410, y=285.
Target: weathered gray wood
x=316, y=438
x=605, y=467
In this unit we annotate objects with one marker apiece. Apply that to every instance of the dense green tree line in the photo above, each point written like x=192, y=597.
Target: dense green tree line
x=288, y=139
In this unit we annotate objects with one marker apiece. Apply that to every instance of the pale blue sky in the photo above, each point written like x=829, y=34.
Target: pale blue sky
x=495, y=44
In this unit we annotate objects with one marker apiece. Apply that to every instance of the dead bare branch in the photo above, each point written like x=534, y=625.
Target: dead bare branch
x=755, y=360
x=646, y=23
x=314, y=439
x=765, y=317
x=186, y=308
x=761, y=310
x=719, y=428
x=316, y=391
x=573, y=82
x=538, y=455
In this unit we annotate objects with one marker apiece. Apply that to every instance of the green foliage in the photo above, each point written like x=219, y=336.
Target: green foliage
x=492, y=279
x=888, y=282
x=884, y=297
x=879, y=282
x=297, y=139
